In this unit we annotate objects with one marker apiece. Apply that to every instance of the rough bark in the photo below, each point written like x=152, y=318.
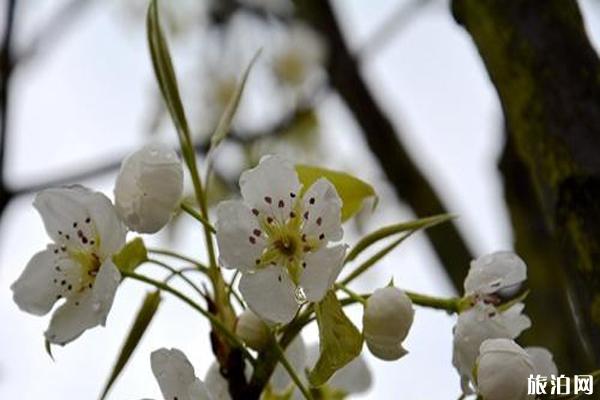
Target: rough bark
x=547, y=76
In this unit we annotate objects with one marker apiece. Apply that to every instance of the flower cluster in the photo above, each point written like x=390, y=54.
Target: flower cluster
x=487, y=322
x=278, y=237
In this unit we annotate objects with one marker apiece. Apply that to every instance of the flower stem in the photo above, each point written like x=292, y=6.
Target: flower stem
x=290, y=370
x=439, y=303
x=196, y=215
x=350, y=293
x=175, y=272
x=199, y=266
x=216, y=323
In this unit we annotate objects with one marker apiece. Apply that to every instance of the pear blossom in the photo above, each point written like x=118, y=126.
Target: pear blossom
x=277, y=7
x=301, y=54
x=149, y=187
x=478, y=324
x=279, y=239
x=252, y=330
x=387, y=319
x=502, y=370
x=176, y=376
x=493, y=275
x=78, y=266
x=542, y=360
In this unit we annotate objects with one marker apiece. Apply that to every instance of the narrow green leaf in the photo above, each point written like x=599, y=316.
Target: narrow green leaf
x=339, y=340
x=140, y=324
x=131, y=256
x=382, y=233
x=165, y=75
x=351, y=190
x=48, y=347
x=224, y=125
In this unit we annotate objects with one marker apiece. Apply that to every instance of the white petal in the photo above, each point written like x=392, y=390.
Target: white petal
x=322, y=211
x=239, y=237
x=543, y=361
x=149, y=187
x=270, y=293
x=87, y=310
x=174, y=373
x=271, y=187
x=322, y=269
x=296, y=355
x=198, y=391
x=217, y=385
x=39, y=286
x=80, y=218
x=494, y=272
x=387, y=352
x=478, y=324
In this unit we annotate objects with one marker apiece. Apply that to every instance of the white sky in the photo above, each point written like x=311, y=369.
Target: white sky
x=85, y=100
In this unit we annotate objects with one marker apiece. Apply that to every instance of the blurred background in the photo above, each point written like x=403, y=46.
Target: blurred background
x=392, y=91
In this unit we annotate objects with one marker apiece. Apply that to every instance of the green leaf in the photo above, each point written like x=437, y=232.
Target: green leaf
x=142, y=321
x=167, y=80
x=224, y=125
x=351, y=190
x=131, y=256
x=410, y=227
x=339, y=340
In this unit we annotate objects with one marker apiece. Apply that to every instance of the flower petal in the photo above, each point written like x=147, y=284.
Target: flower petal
x=494, y=272
x=80, y=218
x=198, y=391
x=239, y=236
x=542, y=360
x=322, y=211
x=86, y=310
x=174, y=373
x=478, y=324
x=322, y=269
x=270, y=293
x=39, y=286
x=271, y=187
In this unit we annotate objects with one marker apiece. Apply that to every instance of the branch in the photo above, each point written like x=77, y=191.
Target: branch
x=383, y=140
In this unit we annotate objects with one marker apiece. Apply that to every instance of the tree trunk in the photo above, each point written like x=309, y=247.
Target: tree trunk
x=547, y=76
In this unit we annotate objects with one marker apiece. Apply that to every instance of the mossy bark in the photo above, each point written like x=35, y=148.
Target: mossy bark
x=547, y=75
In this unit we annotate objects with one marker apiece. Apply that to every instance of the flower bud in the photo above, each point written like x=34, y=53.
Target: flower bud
x=252, y=330
x=387, y=319
x=148, y=188
x=502, y=370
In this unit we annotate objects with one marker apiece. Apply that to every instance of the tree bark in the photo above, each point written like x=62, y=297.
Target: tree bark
x=547, y=77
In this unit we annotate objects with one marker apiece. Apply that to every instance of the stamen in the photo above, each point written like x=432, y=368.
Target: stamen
x=268, y=199
x=280, y=204
x=255, y=211
x=252, y=239
x=319, y=221
x=311, y=200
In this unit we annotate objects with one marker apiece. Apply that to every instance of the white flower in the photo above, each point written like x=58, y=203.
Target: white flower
x=176, y=377
x=302, y=54
x=252, y=330
x=387, y=319
x=149, y=187
x=495, y=273
x=478, y=324
x=502, y=370
x=78, y=266
x=279, y=239
x=542, y=360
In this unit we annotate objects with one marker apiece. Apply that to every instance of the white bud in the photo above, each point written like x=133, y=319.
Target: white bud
x=499, y=272
x=148, y=188
x=252, y=330
x=387, y=319
x=502, y=370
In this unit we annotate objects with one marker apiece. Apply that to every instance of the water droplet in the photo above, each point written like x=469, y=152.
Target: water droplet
x=299, y=295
